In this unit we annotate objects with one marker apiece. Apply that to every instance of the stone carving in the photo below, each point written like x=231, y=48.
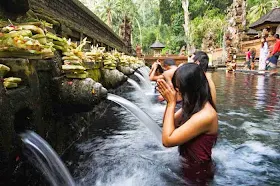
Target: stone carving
x=125, y=32
x=236, y=27
x=208, y=42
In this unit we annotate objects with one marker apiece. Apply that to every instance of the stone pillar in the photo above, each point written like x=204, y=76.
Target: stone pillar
x=125, y=32
x=278, y=30
x=236, y=27
x=208, y=42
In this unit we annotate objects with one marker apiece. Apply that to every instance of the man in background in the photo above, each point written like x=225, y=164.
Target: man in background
x=273, y=58
x=168, y=65
x=202, y=59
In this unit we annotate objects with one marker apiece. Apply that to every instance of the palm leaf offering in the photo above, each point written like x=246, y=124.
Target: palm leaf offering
x=27, y=40
x=31, y=40
x=11, y=82
x=3, y=70
x=110, y=61
x=73, y=60
x=124, y=60
x=95, y=54
x=135, y=63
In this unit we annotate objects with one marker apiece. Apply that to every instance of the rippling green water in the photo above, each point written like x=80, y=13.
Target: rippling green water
x=121, y=151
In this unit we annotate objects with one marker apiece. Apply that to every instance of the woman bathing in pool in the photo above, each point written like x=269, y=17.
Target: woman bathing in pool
x=194, y=127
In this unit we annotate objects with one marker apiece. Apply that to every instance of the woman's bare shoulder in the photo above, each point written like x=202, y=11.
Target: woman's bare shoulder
x=208, y=113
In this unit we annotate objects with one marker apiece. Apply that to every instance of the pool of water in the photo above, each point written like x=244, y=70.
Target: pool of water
x=122, y=151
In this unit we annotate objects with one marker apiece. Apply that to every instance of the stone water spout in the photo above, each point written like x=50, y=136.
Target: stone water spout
x=84, y=93
x=126, y=70
x=113, y=78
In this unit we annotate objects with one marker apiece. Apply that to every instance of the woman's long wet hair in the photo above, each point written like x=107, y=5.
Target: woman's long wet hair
x=192, y=83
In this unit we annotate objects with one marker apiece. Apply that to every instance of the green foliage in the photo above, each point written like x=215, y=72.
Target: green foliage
x=165, y=11
x=213, y=22
x=163, y=20
x=148, y=39
x=199, y=7
x=258, y=8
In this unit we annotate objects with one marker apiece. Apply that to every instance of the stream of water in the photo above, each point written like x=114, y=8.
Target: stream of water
x=145, y=84
x=44, y=158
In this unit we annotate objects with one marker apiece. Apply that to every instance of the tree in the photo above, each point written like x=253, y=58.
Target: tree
x=173, y=22
x=261, y=8
x=164, y=8
x=185, y=5
x=105, y=9
x=211, y=22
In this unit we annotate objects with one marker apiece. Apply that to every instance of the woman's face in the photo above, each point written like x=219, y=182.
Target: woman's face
x=262, y=40
x=179, y=95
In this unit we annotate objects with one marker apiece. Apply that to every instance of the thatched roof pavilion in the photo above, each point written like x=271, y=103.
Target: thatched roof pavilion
x=157, y=47
x=269, y=20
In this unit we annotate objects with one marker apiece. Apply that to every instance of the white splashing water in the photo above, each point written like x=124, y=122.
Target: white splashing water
x=42, y=156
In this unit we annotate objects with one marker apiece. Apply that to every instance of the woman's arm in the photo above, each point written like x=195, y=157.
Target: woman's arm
x=168, y=122
x=152, y=69
x=199, y=123
x=152, y=74
x=178, y=117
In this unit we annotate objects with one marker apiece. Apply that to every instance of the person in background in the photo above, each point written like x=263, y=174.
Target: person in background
x=202, y=59
x=194, y=127
x=168, y=65
x=273, y=58
x=231, y=66
x=158, y=69
x=264, y=52
x=248, y=58
x=253, y=57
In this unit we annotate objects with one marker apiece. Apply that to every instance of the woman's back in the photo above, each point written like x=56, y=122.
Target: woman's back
x=199, y=149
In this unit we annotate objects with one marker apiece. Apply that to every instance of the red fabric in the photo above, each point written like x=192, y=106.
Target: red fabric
x=248, y=55
x=199, y=149
x=198, y=174
x=276, y=47
x=198, y=168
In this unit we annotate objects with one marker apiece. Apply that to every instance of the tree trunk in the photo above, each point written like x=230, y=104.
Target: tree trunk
x=185, y=5
x=109, y=18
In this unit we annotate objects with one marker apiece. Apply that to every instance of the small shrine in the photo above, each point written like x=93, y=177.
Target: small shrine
x=252, y=34
x=157, y=47
x=139, y=51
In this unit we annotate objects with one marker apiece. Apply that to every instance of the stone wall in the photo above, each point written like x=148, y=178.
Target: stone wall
x=38, y=105
x=149, y=60
x=70, y=18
